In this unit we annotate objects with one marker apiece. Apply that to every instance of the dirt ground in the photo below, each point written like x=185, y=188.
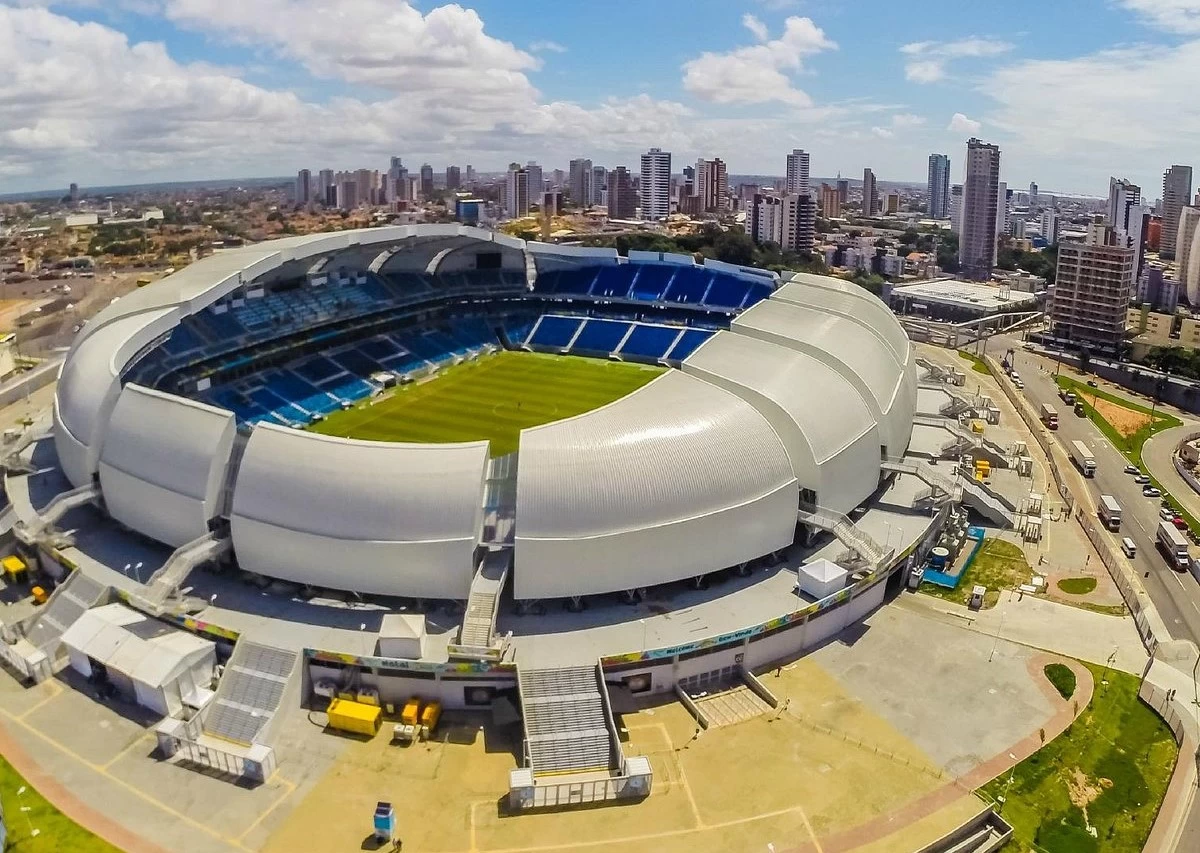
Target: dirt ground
x=1125, y=421
x=819, y=770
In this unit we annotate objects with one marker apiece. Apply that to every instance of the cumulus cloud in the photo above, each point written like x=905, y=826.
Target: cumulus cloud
x=757, y=27
x=928, y=61
x=959, y=123
x=1174, y=16
x=883, y=132
x=758, y=73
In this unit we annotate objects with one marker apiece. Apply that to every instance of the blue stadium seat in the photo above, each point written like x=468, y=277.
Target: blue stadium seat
x=688, y=343
x=380, y=348
x=613, y=281
x=350, y=388
x=600, y=336
x=317, y=369
x=727, y=291
x=650, y=341
x=357, y=363
x=689, y=286
x=555, y=331
x=758, y=292
x=651, y=281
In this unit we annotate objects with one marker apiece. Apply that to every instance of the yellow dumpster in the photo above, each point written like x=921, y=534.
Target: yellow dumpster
x=430, y=715
x=14, y=568
x=40, y=596
x=355, y=717
x=412, y=712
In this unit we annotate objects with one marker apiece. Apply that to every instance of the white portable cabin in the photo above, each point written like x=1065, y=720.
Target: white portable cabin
x=821, y=578
x=149, y=662
x=402, y=635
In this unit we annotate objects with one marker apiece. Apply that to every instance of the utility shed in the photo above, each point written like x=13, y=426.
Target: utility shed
x=402, y=635
x=820, y=578
x=149, y=662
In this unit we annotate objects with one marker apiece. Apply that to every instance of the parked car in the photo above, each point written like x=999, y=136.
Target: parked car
x=1180, y=523
x=1091, y=383
x=1166, y=514
x=1141, y=479
x=1151, y=492
x=1132, y=469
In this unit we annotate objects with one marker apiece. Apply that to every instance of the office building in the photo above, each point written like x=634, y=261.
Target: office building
x=397, y=188
x=655, y=184
x=73, y=192
x=1050, y=226
x=956, y=208
x=980, y=202
x=580, y=182
x=516, y=192
x=831, y=202
x=1092, y=288
x=469, y=175
x=599, y=183
x=558, y=179
x=622, y=200
x=551, y=202
x=870, y=202
x=891, y=202
x=939, y=186
x=1177, y=191
x=796, y=179
x=303, y=187
x=537, y=183
x=712, y=185
x=1033, y=196
x=426, y=182
x=453, y=178
x=843, y=189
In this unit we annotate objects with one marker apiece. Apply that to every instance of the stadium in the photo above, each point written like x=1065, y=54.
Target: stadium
x=438, y=459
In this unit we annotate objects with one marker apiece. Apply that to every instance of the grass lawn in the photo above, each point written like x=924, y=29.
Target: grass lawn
x=1077, y=586
x=1130, y=446
x=998, y=565
x=57, y=832
x=1108, y=772
x=1062, y=677
x=977, y=364
x=493, y=398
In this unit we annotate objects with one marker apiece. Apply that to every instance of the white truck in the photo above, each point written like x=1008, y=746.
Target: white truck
x=1049, y=416
x=1174, y=547
x=1110, y=512
x=1083, y=458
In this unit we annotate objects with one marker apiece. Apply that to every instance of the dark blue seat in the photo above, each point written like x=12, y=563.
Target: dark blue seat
x=650, y=341
x=555, y=331
x=727, y=291
x=687, y=344
x=600, y=336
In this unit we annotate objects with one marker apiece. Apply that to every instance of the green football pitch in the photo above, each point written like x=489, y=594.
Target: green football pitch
x=493, y=398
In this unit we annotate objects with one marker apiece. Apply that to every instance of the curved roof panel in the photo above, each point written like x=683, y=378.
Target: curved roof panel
x=846, y=299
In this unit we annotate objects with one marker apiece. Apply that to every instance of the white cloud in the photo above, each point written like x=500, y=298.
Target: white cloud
x=757, y=27
x=907, y=120
x=1174, y=16
x=547, y=45
x=959, y=123
x=929, y=59
x=758, y=73
x=883, y=132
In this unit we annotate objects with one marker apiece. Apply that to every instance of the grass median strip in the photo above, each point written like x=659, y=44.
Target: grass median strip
x=1098, y=786
x=977, y=363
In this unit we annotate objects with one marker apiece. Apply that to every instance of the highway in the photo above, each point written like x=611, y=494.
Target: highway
x=1176, y=595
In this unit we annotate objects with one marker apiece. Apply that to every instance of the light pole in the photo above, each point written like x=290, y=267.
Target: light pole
x=34, y=832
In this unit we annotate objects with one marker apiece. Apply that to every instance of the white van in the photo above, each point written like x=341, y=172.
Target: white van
x=1129, y=547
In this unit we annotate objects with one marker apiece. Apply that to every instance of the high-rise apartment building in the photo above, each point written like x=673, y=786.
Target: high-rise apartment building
x=599, y=183
x=304, y=187
x=1189, y=226
x=1050, y=226
x=1177, y=191
x=655, y=183
x=622, y=200
x=956, y=208
x=453, y=177
x=843, y=189
x=712, y=185
x=469, y=175
x=870, y=202
x=1092, y=288
x=939, y=186
x=426, y=182
x=537, y=183
x=796, y=179
x=516, y=192
x=786, y=220
x=1128, y=217
x=1033, y=196
x=981, y=186
x=1002, y=207
x=325, y=188
x=580, y=182
x=831, y=202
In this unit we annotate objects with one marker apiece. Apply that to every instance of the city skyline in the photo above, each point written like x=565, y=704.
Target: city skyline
x=744, y=80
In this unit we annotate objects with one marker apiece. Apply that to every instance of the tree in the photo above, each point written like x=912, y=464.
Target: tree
x=735, y=247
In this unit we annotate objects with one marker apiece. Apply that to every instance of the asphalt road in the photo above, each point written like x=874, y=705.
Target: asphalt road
x=1175, y=594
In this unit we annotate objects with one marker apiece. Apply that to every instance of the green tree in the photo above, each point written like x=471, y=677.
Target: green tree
x=735, y=247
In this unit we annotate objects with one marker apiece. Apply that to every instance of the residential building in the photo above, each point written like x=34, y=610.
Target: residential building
x=1189, y=219
x=469, y=175
x=891, y=202
x=787, y=220
x=325, y=183
x=1001, y=207
x=622, y=200
x=551, y=201
x=1033, y=196
x=516, y=192
x=980, y=202
x=1092, y=287
x=453, y=177
x=939, y=186
x=1050, y=226
x=843, y=189
x=580, y=182
x=712, y=185
x=796, y=179
x=537, y=183
x=1128, y=216
x=1177, y=191
x=73, y=192
x=426, y=182
x=956, y=208
x=831, y=202
x=397, y=182
x=870, y=202
x=1016, y=227
x=303, y=187
x=1155, y=289
x=655, y=184
x=599, y=184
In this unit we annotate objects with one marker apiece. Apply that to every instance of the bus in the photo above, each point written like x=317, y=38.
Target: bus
x=1174, y=547
x=1110, y=512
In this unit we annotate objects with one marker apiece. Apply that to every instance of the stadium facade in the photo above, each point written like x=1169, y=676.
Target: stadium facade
x=180, y=403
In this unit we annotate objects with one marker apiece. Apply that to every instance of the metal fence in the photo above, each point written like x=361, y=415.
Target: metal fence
x=569, y=793
x=209, y=756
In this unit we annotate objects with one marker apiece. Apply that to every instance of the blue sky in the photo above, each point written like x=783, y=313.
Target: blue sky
x=118, y=91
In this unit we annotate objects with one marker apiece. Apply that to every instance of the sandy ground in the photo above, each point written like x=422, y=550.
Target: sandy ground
x=1125, y=421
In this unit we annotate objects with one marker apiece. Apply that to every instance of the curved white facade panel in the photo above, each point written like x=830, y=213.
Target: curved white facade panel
x=391, y=519
x=847, y=299
x=843, y=344
x=163, y=463
x=830, y=434
x=677, y=479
